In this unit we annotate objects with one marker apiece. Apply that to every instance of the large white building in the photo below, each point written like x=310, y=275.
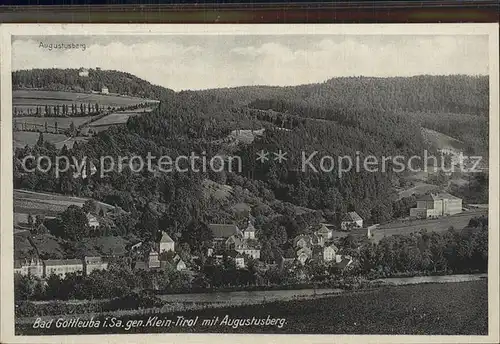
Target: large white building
x=83, y=72
x=436, y=204
x=94, y=263
x=61, y=267
x=33, y=267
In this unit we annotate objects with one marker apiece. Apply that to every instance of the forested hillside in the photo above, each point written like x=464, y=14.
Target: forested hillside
x=68, y=80
x=342, y=116
x=455, y=93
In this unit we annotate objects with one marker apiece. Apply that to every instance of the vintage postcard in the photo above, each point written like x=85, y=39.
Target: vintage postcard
x=274, y=183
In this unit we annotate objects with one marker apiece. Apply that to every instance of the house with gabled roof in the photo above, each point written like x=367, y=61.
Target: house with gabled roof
x=329, y=252
x=166, y=243
x=325, y=231
x=351, y=220
x=302, y=240
x=222, y=232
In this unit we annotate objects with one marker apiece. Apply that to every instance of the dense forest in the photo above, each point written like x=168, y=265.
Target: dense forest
x=68, y=80
x=455, y=93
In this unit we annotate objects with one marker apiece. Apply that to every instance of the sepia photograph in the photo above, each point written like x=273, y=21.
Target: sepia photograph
x=300, y=180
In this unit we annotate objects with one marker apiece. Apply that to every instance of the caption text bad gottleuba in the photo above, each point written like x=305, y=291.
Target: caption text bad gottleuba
x=156, y=321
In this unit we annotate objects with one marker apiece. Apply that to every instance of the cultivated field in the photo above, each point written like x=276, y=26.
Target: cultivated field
x=430, y=309
x=41, y=98
x=23, y=138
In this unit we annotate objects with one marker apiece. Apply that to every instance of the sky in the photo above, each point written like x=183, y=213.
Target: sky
x=215, y=61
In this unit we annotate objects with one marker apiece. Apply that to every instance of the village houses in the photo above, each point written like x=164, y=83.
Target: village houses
x=234, y=242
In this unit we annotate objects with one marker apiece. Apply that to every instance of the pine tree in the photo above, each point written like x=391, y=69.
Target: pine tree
x=40, y=140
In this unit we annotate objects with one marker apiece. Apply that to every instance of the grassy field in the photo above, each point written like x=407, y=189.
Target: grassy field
x=22, y=138
x=425, y=309
x=457, y=221
x=41, y=98
x=441, y=141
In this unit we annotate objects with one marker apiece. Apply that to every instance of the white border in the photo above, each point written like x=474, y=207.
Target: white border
x=6, y=219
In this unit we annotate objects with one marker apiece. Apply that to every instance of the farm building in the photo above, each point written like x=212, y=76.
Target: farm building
x=104, y=90
x=436, y=204
x=83, y=72
x=351, y=220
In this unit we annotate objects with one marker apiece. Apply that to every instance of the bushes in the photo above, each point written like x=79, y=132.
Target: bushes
x=132, y=300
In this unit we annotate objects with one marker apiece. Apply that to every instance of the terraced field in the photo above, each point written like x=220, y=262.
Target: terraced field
x=62, y=122
x=46, y=204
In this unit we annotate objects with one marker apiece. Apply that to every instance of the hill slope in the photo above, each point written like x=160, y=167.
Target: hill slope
x=68, y=80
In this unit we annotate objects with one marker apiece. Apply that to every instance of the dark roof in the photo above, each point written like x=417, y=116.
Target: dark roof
x=332, y=246
x=250, y=228
x=223, y=230
x=352, y=216
x=93, y=260
x=323, y=229
x=343, y=263
x=232, y=254
x=141, y=265
x=427, y=197
x=436, y=196
x=315, y=240
x=54, y=262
